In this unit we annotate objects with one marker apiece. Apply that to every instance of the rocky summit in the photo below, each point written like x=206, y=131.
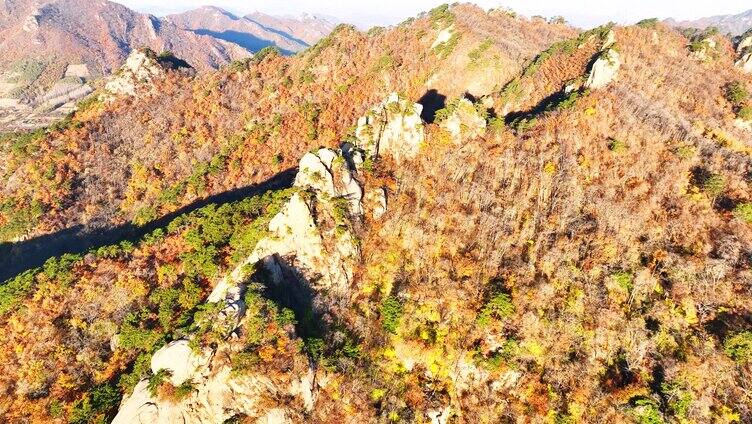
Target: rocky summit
x=470, y=217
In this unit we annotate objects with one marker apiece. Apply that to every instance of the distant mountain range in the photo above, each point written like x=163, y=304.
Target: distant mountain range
x=733, y=24
x=102, y=33
x=255, y=31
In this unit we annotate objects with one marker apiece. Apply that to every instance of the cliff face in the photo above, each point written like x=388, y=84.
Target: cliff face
x=561, y=238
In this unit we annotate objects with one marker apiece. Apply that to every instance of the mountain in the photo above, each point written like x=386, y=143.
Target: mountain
x=256, y=31
x=469, y=217
x=100, y=34
x=727, y=24
x=51, y=51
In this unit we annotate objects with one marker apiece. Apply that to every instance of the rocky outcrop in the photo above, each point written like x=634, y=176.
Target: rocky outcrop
x=313, y=172
x=743, y=124
x=322, y=254
x=609, y=40
x=139, y=408
x=439, y=416
x=745, y=43
x=393, y=128
x=464, y=121
x=604, y=69
x=217, y=399
x=310, y=238
x=333, y=173
x=744, y=52
x=141, y=68
x=444, y=36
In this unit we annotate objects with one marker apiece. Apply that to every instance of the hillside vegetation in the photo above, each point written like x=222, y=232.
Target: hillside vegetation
x=564, y=236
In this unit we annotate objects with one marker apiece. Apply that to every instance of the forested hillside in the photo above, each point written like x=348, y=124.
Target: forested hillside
x=472, y=216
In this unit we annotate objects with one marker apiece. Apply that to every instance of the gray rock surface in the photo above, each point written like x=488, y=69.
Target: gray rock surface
x=393, y=128
x=604, y=69
x=139, y=70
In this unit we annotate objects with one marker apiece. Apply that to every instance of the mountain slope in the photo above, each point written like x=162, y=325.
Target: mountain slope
x=308, y=105
x=564, y=236
x=733, y=24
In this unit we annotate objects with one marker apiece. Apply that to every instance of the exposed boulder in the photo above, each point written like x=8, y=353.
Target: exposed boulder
x=463, y=120
x=604, y=69
x=609, y=40
x=444, y=36
x=353, y=192
x=275, y=416
x=394, y=128
x=744, y=52
x=439, y=416
x=180, y=360
x=139, y=407
x=140, y=67
x=323, y=255
x=295, y=232
x=313, y=172
x=745, y=63
x=330, y=172
x=214, y=400
x=743, y=124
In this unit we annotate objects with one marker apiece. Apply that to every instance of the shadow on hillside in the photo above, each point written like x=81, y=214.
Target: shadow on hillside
x=432, y=102
x=283, y=34
x=247, y=41
x=542, y=106
x=291, y=289
x=21, y=256
x=549, y=102
x=727, y=324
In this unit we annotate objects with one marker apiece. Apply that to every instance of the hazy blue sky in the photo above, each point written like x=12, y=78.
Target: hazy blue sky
x=382, y=12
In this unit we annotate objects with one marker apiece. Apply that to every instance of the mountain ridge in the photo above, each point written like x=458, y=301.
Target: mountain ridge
x=254, y=31
x=735, y=24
